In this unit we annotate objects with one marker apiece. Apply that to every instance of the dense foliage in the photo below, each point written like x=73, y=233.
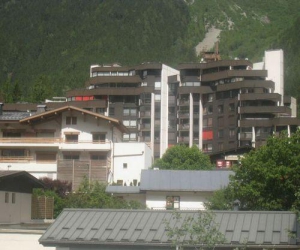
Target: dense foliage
x=88, y=195
x=201, y=229
x=267, y=178
x=182, y=157
x=47, y=46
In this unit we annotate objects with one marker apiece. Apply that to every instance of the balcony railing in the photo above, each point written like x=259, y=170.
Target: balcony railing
x=38, y=140
x=16, y=158
x=24, y=140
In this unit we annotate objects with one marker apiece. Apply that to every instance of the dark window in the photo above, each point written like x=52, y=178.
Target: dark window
x=99, y=137
x=111, y=111
x=13, y=198
x=71, y=120
x=172, y=202
x=125, y=165
x=71, y=138
x=6, y=197
x=71, y=156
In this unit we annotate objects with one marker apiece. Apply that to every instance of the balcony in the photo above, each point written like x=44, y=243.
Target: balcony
x=265, y=109
x=182, y=114
x=262, y=96
x=184, y=126
x=184, y=139
x=145, y=114
x=245, y=135
x=145, y=126
x=55, y=143
x=233, y=73
x=30, y=141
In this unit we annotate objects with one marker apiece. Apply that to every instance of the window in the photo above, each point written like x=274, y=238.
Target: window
x=231, y=107
x=71, y=156
x=11, y=134
x=129, y=111
x=207, y=122
x=220, y=146
x=231, y=132
x=129, y=137
x=13, y=198
x=71, y=120
x=71, y=138
x=157, y=98
x=220, y=133
x=98, y=157
x=207, y=147
x=157, y=85
x=125, y=165
x=99, y=137
x=111, y=111
x=220, y=109
x=172, y=202
x=130, y=123
x=100, y=111
x=210, y=97
x=6, y=197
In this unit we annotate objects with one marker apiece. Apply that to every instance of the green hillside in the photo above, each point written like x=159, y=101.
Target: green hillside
x=47, y=46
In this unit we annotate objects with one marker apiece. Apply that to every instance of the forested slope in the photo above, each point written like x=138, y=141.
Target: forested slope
x=47, y=46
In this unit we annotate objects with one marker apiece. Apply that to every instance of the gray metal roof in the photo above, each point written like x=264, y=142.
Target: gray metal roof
x=184, y=180
x=13, y=116
x=123, y=189
x=147, y=228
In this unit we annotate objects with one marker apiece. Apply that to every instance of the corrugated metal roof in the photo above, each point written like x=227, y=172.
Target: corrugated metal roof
x=184, y=180
x=123, y=189
x=148, y=227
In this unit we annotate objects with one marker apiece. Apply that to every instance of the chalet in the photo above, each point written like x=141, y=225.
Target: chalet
x=68, y=143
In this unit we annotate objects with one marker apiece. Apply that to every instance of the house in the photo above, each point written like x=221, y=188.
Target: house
x=68, y=143
x=15, y=196
x=174, y=189
x=80, y=229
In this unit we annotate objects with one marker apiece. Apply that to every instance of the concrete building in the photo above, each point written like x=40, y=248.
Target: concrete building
x=225, y=107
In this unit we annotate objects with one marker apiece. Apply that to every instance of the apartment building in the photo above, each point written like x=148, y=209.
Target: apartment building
x=225, y=107
x=69, y=143
x=222, y=106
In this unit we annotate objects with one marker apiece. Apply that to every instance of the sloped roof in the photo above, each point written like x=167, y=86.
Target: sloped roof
x=123, y=189
x=18, y=181
x=51, y=113
x=129, y=228
x=13, y=116
x=184, y=180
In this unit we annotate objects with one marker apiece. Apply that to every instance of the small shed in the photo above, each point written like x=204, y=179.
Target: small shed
x=15, y=196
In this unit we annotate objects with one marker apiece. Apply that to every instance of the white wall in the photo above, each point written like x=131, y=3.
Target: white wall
x=17, y=212
x=188, y=200
x=164, y=105
x=137, y=156
x=23, y=241
x=274, y=65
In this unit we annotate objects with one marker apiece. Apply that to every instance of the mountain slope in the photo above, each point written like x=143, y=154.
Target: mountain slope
x=47, y=46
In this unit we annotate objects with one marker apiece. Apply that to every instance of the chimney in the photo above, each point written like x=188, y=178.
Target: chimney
x=41, y=108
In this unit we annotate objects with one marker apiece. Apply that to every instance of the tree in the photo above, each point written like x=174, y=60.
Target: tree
x=199, y=231
x=88, y=195
x=268, y=177
x=181, y=157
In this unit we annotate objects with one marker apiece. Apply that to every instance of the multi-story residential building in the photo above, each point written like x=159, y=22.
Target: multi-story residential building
x=223, y=106
x=219, y=105
x=68, y=143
